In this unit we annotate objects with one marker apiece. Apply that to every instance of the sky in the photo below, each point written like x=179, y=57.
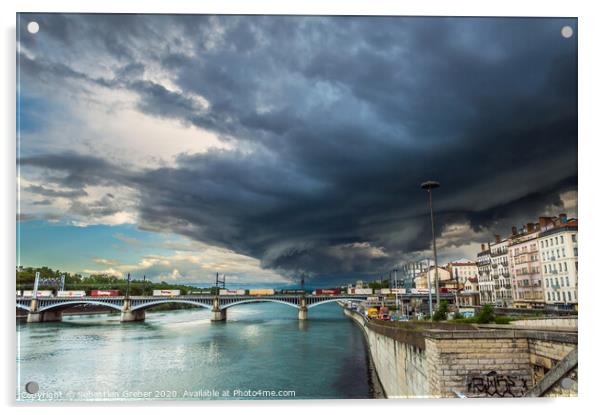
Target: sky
x=270, y=147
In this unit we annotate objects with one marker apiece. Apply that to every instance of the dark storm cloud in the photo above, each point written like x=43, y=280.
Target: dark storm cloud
x=43, y=191
x=339, y=120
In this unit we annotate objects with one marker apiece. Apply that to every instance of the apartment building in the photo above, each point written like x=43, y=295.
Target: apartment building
x=525, y=266
x=500, y=273
x=485, y=281
x=559, y=259
x=462, y=270
x=445, y=280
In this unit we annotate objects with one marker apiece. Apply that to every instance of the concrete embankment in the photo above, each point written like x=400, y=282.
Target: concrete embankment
x=454, y=360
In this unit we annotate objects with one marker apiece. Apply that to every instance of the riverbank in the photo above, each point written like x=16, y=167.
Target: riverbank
x=455, y=360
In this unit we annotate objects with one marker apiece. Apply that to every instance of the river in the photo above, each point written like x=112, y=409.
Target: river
x=261, y=352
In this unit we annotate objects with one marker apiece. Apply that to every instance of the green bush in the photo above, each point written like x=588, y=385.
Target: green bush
x=486, y=315
x=441, y=313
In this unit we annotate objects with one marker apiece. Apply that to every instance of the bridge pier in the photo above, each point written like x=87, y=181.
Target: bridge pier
x=303, y=312
x=128, y=315
x=303, y=315
x=44, y=317
x=35, y=316
x=217, y=313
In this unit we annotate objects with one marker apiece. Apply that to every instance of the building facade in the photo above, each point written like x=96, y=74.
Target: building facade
x=462, y=270
x=559, y=259
x=445, y=280
x=409, y=271
x=525, y=267
x=486, y=284
x=500, y=273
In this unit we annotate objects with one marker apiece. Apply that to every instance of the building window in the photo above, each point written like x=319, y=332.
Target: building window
x=563, y=297
x=569, y=294
x=567, y=280
x=548, y=296
x=561, y=239
x=546, y=243
x=563, y=253
x=556, y=241
x=565, y=267
x=575, y=251
x=574, y=237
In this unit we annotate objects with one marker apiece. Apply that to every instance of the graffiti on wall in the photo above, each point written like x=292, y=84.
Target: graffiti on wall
x=496, y=384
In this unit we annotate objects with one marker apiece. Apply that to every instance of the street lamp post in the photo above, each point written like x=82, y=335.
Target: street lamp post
x=127, y=287
x=429, y=186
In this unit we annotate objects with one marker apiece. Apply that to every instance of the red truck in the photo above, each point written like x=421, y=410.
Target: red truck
x=104, y=293
x=328, y=291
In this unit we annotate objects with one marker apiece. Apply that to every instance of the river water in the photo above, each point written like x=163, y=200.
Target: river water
x=261, y=352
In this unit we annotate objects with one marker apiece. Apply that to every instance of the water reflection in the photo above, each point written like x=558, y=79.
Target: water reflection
x=261, y=346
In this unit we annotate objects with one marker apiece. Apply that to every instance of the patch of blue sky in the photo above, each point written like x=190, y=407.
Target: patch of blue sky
x=73, y=248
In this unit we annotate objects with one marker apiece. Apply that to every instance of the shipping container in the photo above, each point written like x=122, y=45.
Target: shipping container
x=328, y=291
x=363, y=291
x=71, y=294
x=165, y=293
x=295, y=292
x=204, y=291
x=41, y=293
x=231, y=292
x=398, y=290
x=261, y=291
x=104, y=293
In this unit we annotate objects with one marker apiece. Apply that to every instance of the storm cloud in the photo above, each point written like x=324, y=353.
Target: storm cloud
x=329, y=126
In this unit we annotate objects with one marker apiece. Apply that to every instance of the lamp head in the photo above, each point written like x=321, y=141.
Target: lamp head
x=430, y=184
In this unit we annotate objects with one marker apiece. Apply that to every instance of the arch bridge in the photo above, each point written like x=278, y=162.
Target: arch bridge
x=45, y=309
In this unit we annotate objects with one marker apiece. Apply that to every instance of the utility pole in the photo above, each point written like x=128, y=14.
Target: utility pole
x=127, y=288
x=429, y=186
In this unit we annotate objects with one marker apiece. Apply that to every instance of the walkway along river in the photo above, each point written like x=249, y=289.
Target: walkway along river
x=261, y=352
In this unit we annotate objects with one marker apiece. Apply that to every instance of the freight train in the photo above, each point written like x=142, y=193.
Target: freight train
x=225, y=292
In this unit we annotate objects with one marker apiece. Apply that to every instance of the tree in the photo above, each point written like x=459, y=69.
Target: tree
x=486, y=315
x=441, y=313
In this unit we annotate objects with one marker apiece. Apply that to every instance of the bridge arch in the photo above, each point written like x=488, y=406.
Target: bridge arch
x=67, y=304
x=150, y=304
x=23, y=307
x=333, y=300
x=259, y=300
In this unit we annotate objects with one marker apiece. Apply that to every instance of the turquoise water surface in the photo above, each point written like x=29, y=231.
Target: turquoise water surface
x=261, y=352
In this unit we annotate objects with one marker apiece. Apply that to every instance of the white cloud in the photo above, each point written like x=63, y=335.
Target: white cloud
x=197, y=262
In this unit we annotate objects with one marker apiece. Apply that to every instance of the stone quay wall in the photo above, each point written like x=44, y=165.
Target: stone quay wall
x=461, y=360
